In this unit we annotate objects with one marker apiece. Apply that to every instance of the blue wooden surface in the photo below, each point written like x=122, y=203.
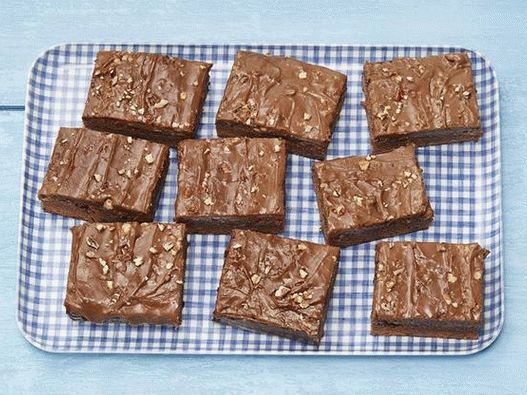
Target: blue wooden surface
x=497, y=29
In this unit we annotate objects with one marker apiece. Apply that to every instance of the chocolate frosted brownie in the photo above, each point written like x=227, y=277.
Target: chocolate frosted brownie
x=422, y=101
x=127, y=272
x=369, y=198
x=276, y=285
x=273, y=96
x=231, y=183
x=428, y=289
x=103, y=177
x=154, y=97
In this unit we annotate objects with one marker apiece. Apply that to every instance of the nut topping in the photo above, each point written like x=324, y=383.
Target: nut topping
x=149, y=158
x=298, y=298
x=282, y=291
x=92, y=243
x=168, y=246
x=208, y=201
x=301, y=247
x=161, y=103
x=126, y=227
x=108, y=204
x=255, y=278
x=364, y=165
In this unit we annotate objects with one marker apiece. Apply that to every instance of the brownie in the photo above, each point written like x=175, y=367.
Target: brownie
x=424, y=101
x=274, y=96
x=231, y=183
x=127, y=272
x=154, y=97
x=276, y=285
x=361, y=199
x=102, y=177
x=428, y=289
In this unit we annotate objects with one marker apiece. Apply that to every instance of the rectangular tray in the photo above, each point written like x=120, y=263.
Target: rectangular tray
x=463, y=180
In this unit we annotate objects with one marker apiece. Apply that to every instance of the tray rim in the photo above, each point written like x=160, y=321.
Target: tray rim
x=47, y=348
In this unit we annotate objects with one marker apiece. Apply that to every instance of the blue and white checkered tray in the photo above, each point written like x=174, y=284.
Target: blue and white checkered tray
x=463, y=183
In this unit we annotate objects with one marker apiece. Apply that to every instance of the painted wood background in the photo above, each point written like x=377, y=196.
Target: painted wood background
x=495, y=28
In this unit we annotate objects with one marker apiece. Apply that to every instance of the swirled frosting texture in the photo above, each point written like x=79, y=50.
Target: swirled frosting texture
x=105, y=176
x=359, y=192
x=127, y=272
x=434, y=285
x=276, y=284
x=282, y=97
x=406, y=96
x=231, y=178
x=156, y=96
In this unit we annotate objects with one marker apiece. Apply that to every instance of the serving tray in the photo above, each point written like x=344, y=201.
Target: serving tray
x=463, y=180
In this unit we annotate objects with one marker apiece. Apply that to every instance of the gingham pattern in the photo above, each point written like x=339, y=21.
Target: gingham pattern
x=463, y=183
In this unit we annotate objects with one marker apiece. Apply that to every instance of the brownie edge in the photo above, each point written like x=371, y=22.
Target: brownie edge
x=424, y=101
x=428, y=289
x=127, y=272
x=366, y=198
x=150, y=96
x=231, y=183
x=276, y=285
x=103, y=177
x=276, y=96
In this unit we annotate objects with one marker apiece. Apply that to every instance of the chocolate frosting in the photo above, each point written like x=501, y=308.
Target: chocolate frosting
x=231, y=177
x=282, y=284
x=282, y=95
x=356, y=192
x=109, y=172
x=127, y=272
x=408, y=95
x=434, y=282
x=146, y=91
